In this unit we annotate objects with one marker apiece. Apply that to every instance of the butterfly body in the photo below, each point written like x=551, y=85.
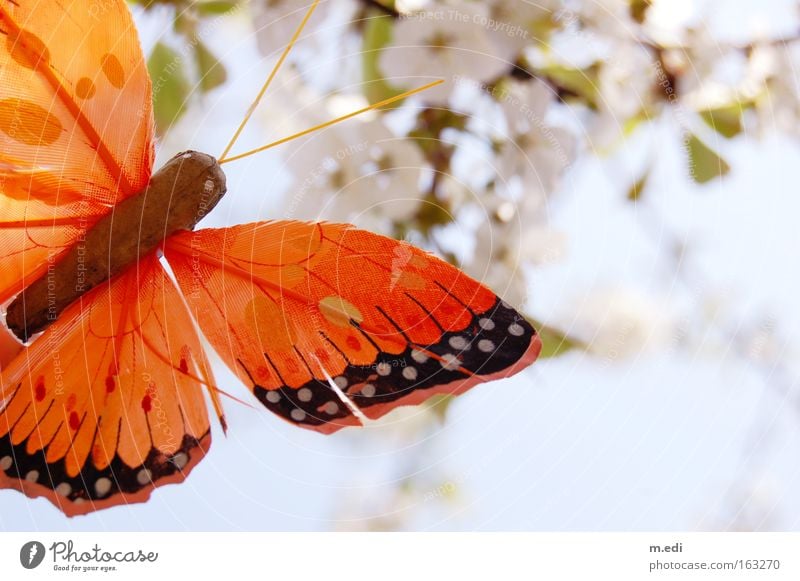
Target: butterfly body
x=176, y=198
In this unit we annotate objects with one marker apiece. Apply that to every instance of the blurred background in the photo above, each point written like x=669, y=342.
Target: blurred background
x=622, y=171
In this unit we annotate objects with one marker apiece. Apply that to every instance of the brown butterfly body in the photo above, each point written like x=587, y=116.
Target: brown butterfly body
x=178, y=196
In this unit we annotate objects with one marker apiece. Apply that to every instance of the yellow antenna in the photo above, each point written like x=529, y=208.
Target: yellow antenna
x=332, y=122
x=266, y=85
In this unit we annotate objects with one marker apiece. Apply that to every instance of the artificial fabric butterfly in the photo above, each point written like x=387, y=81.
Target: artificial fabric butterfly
x=326, y=324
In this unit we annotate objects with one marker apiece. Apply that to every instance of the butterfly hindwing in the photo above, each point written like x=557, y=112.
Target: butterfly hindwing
x=291, y=305
x=76, y=126
x=108, y=403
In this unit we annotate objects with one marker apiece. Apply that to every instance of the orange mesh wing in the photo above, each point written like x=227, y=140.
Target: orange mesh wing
x=290, y=305
x=76, y=128
x=109, y=402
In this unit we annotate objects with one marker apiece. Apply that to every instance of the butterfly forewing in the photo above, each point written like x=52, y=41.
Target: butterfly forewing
x=290, y=306
x=75, y=126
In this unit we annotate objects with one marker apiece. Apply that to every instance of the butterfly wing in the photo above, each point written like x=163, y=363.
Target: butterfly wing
x=108, y=403
x=76, y=128
x=290, y=305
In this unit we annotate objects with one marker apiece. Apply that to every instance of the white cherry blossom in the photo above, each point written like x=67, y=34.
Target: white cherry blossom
x=364, y=174
x=447, y=41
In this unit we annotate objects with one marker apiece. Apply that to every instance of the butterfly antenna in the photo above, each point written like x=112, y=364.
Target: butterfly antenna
x=378, y=105
x=234, y=398
x=268, y=82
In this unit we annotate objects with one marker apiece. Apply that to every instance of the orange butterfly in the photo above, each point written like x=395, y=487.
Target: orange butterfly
x=327, y=324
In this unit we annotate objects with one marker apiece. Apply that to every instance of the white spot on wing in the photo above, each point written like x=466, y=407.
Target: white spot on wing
x=516, y=329
x=143, y=476
x=180, y=460
x=486, y=345
x=450, y=362
x=102, y=486
x=418, y=356
x=343, y=396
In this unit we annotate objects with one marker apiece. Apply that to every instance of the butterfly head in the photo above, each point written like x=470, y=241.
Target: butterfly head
x=191, y=183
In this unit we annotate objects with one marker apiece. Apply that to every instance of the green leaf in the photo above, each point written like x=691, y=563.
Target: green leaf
x=432, y=213
x=705, y=164
x=582, y=83
x=377, y=34
x=213, y=8
x=170, y=87
x=439, y=405
x=637, y=188
x=554, y=342
x=726, y=121
x=149, y=4
x=632, y=123
x=542, y=28
x=212, y=72
x=185, y=23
